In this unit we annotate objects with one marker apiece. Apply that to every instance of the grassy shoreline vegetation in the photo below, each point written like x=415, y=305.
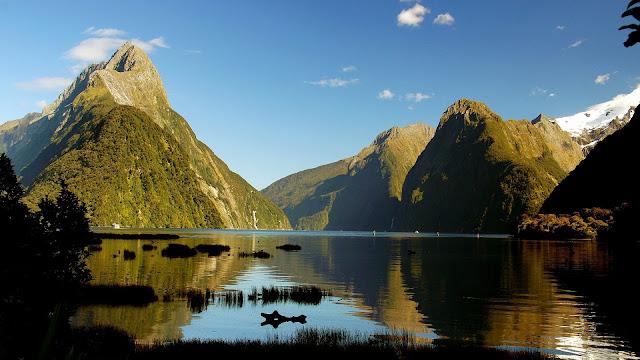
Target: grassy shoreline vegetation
x=111, y=343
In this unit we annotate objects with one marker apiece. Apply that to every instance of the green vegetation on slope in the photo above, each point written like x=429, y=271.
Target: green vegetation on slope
x=124, y=167
x=478, y=173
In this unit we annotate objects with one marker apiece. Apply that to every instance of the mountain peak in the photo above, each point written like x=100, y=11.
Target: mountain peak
x=129, y=57
x=133, y=80
x=541, y=117
x=468, y=111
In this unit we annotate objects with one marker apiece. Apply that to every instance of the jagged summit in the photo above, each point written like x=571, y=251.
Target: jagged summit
x=133, y=80
x=468, y=111
x=540, y=118
x=129, y=57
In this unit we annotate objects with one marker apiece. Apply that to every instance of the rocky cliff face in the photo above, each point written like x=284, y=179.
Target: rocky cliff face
x=130, y=79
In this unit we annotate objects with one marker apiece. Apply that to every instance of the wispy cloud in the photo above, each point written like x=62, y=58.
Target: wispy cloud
x=349, y=68
x=602, y=79
x=41, y=103
x=539, y=91
x=193, y=51
x=413, y=16
x=560, y=27
x=576, y=44
x=335, y=82
x=444, y=19
x=417, y=97
x=105, y=32
x=45, y=83
x=386, y=94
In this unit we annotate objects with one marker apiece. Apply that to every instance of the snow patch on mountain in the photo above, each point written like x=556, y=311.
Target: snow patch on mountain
x=601, y=114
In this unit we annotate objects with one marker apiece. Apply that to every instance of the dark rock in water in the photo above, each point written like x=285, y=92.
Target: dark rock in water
x=148, y=247
x=178, y=251
x=289, y=247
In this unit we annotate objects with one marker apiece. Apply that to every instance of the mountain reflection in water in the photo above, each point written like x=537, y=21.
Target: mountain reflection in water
x=491, y=290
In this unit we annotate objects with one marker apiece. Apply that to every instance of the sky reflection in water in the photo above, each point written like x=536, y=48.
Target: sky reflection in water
x=491, y=290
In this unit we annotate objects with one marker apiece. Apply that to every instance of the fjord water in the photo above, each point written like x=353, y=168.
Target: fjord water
x=491, y=290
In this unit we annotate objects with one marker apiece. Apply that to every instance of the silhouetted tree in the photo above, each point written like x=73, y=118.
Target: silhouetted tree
x=42, y=261
x=634, y=36
x=65, y=236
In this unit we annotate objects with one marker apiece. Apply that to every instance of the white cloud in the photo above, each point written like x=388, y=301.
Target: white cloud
x=417, y=97
x=41, y=103
x=100, y=48
x=386, y=94
x=444, y=19
x=94, y=49
x=560, y=27
x=602, y=79
x=149, y=46
x=105, y=32
x=410, y=107
x=45, y=83
x=335, y=82
x=552, y=95
x=349, y=68
x=413, y=16
x=576, y=44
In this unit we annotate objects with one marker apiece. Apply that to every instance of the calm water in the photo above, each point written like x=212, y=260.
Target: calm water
x=493, y=290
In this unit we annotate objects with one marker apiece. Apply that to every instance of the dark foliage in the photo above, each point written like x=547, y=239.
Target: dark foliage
x=44, y=252
x=115, y=295
x=634, y=36
x=604, y=179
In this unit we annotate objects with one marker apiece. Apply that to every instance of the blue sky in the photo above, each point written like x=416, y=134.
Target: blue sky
x=274, y=87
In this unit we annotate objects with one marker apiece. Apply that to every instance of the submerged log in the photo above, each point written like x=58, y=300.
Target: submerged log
x=275, y=319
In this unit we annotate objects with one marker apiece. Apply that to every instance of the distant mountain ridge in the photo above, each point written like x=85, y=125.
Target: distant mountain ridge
x=601, y=120
x=362, y=192
x=129, y=79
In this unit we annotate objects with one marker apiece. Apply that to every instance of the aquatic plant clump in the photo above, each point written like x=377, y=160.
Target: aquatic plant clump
x=256, y=254
x=309, y=295
x=129, y=255
x=289, y=247
x=197, y=299
x=213, y=249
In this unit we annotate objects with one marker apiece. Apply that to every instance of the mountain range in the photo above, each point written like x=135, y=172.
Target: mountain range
x=114, y=138
x=474, y=173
